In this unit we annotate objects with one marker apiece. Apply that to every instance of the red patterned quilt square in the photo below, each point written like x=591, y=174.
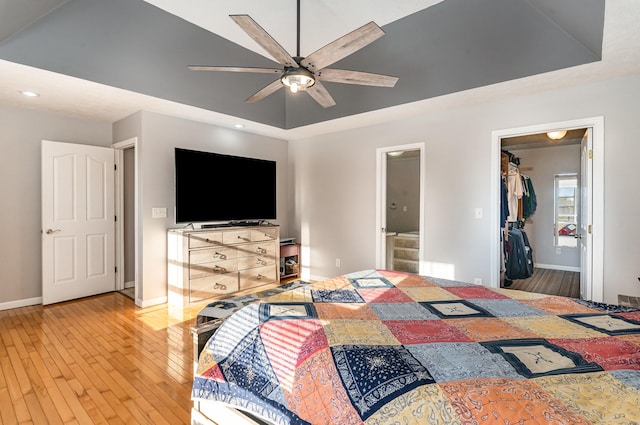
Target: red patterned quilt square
x=424, y=331
x=609, y=352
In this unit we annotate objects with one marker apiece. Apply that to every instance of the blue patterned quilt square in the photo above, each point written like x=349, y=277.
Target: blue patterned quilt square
x=508, y=308
x=248, y=366
x=335, y=296
x=452, y=361
x=374, y=375
x=404, y=311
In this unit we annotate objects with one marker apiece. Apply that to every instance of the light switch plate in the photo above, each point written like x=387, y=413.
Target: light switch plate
x=158, y=213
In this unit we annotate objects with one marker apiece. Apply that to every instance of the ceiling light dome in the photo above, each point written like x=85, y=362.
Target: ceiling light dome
x=297, y=79
x=556, y=135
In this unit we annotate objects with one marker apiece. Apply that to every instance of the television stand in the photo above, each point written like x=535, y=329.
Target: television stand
x=208, y=263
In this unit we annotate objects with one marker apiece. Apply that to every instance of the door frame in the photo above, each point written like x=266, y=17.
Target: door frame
x=596, y=287
x=119, y=148
x=381, y=202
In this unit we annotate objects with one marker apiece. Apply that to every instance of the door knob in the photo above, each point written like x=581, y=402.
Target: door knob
x=50, y=231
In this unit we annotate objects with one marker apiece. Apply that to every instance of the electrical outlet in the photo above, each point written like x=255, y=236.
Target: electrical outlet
x=558, y=250
x=477, y=280
x=337, y=262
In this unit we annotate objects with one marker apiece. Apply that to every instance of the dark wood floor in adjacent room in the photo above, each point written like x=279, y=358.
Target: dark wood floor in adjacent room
x=552, y=282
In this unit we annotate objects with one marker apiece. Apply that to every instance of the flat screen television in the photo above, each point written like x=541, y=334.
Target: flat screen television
x=213, y=187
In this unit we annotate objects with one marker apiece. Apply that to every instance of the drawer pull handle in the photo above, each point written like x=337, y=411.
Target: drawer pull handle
x=220, y=286
x=261, y=261
x=221, y=256
x=261, y=250
x=219, y=269
x=259, y=277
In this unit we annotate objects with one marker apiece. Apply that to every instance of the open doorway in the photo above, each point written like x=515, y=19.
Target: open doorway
x=400, y=241
x=591, y=191
x=126, y=222
x=541, y=173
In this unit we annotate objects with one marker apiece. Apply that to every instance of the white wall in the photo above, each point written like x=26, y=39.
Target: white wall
x=545, y=163
x=158, y=135
x=335, y=179
x=21, y=133
x=403, y=189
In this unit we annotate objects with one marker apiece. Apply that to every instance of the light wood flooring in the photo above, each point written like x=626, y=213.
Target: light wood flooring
x=99, y=360
x=552, y=282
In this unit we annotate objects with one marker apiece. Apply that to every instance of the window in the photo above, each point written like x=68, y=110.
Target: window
x=566, y=210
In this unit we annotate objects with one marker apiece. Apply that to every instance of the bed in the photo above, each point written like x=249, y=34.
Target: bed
x=384, y=347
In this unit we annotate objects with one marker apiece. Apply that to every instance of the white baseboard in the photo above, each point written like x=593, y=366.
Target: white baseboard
x=150, y=303
x=20, y=303
x=554, y=267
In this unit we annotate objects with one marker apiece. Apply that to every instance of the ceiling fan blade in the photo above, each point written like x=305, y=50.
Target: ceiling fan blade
x=342, y=47
x=263, y=38
x=264, y=92
x=356, y=77
x=321, y=95
x=235, y=69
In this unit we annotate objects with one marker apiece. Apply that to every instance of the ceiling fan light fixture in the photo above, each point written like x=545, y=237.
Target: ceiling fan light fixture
x=556, y=135
x=298, y=79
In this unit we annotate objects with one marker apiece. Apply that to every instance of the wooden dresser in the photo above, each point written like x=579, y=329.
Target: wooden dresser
x=208, y=263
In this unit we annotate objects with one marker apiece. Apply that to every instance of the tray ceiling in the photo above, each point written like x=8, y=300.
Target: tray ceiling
x=435, y=47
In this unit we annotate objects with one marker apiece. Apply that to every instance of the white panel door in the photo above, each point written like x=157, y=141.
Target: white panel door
x=78, y=229
x=586, y=216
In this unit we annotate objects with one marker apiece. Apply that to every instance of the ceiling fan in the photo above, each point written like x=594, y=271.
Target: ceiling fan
x=306, y=73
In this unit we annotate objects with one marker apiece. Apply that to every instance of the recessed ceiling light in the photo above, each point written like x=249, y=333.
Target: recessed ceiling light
x=29, y=93
x=239, y=126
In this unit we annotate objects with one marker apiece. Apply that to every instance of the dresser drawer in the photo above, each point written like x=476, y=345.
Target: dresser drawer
x=232, y=237
x=255, y=261
x=257, y=277
x=266, y=234
x=266, y=249
x=215, y=267
x=216, y=254
x=201, y=240
x=211, y=286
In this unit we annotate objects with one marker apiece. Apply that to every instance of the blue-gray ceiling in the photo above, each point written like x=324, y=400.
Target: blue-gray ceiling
x=453, y=46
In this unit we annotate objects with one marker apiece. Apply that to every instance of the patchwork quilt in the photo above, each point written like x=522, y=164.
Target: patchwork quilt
x=383, y=347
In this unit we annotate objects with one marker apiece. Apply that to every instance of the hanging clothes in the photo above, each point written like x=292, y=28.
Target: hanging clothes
x=529, y=201
x=504, y=202
x=519, y=258
x=514, y=192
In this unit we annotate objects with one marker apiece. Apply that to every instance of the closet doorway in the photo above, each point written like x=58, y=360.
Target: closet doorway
x=126, y=223
x=553, y=218
x=399, y=237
